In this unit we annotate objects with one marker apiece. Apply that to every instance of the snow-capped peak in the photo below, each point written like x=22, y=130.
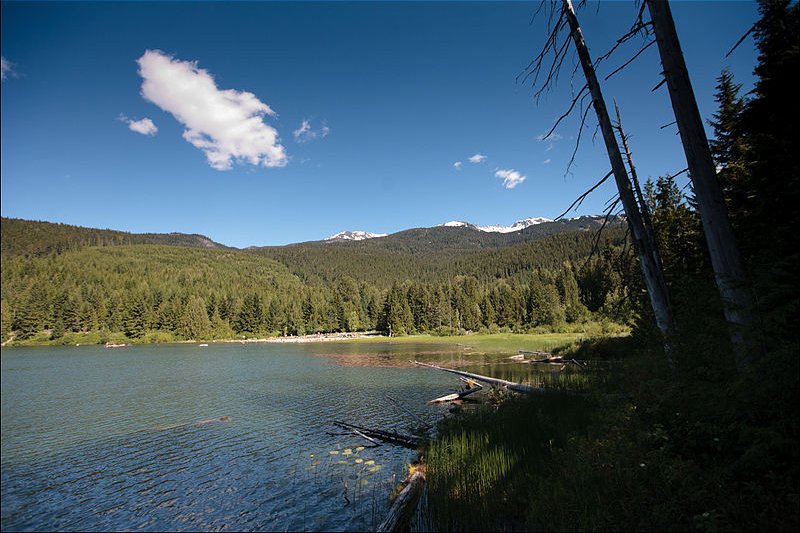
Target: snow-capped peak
x=354, y=236
x=458, y=224
x=497, y=228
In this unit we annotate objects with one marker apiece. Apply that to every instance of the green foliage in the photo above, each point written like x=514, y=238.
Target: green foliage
x=187, y=293
x=34, y=238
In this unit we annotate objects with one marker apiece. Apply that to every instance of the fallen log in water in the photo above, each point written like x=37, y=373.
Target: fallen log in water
x=472, y=386
x=392, y=437
x=557, y=361
x=405, y=409
x=399, y=516
x=510, y=385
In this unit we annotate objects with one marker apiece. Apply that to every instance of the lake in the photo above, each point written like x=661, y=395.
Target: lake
x=107, y=439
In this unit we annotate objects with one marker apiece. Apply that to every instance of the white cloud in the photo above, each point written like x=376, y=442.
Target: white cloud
x=457, y=165
x=225, y=124
x=477, y=158
x=144, y=126
x=511, y=178
x=6, y=69
x=546, y=161
x=552, y=137
x=305, y=133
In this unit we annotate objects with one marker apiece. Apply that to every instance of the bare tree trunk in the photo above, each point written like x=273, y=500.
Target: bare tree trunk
x=402, y=510
x=646, y=218
x=726, y=261
x=645, y=247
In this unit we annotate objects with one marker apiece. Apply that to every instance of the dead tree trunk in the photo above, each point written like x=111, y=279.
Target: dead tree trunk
x=728, y=267
x=510, y=385
x=646, y=218
x=645, y=247
x=401, y=512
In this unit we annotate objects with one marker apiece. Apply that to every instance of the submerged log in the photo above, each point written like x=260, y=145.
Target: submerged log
x=392, y=437
x=399, y=516
x=550, y=360
x=405, y=409
x=510, y=385
x=472, y=387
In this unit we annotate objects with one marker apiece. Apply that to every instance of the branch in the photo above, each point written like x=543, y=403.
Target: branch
x=609, y=212
x=735, y=46
x=583, y=196
x=662, y=82
x=567, y=113
x=578, y=140
x=631, y=60
x=635, y=29
x=679, y=173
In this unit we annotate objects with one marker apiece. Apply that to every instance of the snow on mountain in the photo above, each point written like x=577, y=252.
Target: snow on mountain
x=354, y=236
x=459, y=224
x=497, y=228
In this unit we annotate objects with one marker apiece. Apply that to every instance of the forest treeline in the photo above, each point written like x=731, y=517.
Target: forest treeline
x=157, y=293
x=36, y=238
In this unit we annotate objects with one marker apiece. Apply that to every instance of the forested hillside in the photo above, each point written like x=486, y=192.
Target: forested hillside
x=436, y=254
x=153, y=292
x=36, y=238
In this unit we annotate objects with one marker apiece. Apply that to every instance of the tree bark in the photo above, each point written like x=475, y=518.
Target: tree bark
x=645, y=247
x=726, y=260
x=401, y=512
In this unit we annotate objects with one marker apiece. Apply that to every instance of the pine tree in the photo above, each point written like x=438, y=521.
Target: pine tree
x=574, y=310
x=5, y=321
x=195, y=323
x=729, y=149
x=133, y=322
x=250, y=315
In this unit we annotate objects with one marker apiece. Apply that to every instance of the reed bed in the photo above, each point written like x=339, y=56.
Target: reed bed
x=484, y=461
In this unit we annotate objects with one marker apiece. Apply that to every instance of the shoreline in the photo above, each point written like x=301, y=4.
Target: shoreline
x=315, y=337
x=480, y=342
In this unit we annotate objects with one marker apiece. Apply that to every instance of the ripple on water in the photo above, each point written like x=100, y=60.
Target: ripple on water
x=109, y=441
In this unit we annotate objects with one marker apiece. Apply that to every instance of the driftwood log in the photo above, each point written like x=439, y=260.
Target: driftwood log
x=471, y=387
x=392, y=437
x=510, y=385
x=402, y=510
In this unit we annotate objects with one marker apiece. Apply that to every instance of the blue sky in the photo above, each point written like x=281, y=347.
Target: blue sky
x=260, y=123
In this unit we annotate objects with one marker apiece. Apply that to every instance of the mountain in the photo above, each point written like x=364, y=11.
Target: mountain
x=461, y=237
x=441, y=252
x=519, y=225
x=37, y=238
x=354, y=236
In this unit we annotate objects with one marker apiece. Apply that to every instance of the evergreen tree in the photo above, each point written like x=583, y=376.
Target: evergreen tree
x=396, y=318
x=250, y=315
x=195, y=323
x=544, y=305
x=574, y=310
x=133, y=322
x=5, y=321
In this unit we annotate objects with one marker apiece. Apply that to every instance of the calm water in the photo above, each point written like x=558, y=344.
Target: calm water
x=99, y=439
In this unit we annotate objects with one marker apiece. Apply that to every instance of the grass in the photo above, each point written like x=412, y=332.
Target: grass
x=481, y=467
x=639, y=448
x=509, y=343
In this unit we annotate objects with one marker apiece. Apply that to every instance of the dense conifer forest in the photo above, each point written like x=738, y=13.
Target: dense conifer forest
x=60, y=281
